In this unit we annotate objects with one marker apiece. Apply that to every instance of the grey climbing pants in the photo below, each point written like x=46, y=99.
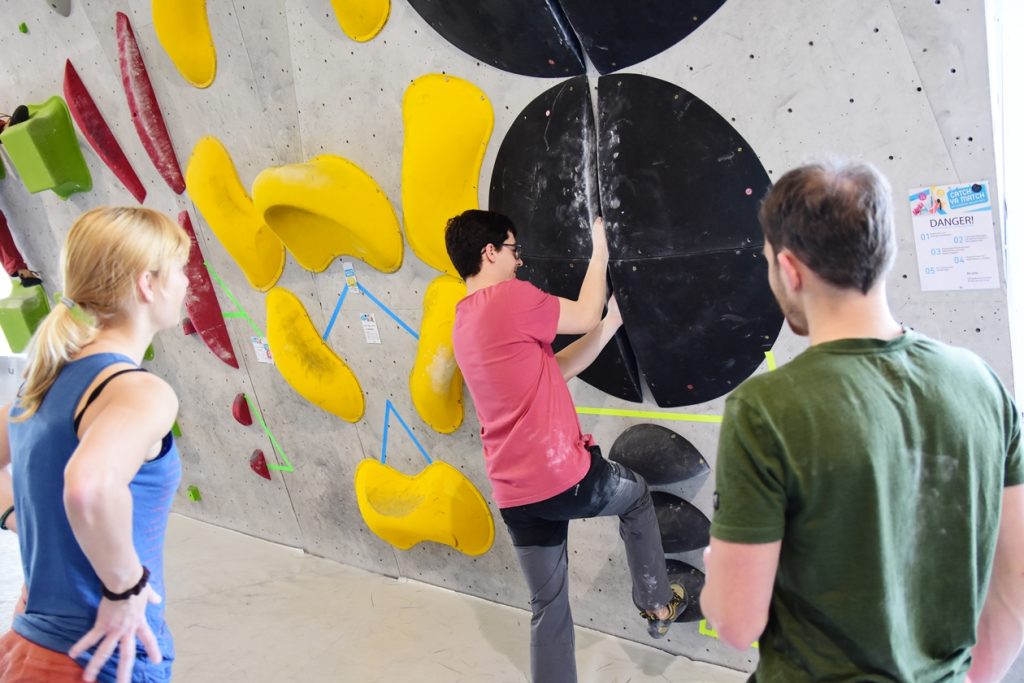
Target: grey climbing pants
x=539, y=532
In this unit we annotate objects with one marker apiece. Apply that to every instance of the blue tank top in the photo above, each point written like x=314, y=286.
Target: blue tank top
x=63, y=589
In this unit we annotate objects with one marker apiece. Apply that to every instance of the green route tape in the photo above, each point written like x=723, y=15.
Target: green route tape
x=649, y=414
x=287, y=466
x=239, y=312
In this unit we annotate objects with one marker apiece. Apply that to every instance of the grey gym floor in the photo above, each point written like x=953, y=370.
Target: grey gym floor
x=243, y=609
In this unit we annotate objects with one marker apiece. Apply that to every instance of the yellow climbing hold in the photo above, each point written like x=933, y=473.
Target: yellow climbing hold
x=448, y=122
x=184, y=31
x=329, y=207
x=305, y=360
x=361, y=20
x=435, y=383
x=439, y=504
x=217, y=192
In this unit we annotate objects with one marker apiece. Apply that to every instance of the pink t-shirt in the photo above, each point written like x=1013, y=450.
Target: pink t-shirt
x=531, y=436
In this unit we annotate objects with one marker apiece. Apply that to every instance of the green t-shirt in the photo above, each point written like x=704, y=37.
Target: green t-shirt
x=880, y=465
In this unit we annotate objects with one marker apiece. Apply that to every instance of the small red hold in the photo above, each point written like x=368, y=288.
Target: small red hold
x=258, y=463
x=240, y=409
x=187, y=327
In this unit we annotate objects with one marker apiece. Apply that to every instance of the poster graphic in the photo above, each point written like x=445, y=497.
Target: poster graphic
x=955, y=239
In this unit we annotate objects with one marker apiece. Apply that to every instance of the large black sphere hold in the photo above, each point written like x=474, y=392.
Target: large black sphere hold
x=658, y=454
x=683, y=527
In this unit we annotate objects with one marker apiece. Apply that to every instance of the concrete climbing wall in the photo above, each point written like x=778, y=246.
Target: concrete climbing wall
x=902, y=84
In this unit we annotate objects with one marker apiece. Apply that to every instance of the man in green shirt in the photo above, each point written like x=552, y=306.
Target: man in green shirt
x=869, y=512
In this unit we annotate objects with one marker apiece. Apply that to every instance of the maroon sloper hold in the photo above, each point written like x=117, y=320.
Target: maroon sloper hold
x=145, y=110
x=98, y=134
x=240, y=410
x=258, y=463
x=201, y=301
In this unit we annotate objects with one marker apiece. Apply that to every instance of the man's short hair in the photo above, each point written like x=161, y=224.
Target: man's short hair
x=468, y=234
x=836, y=217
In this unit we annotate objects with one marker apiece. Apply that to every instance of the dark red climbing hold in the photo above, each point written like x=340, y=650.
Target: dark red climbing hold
x=240, y=409
x=258, y=463
x=187, y=327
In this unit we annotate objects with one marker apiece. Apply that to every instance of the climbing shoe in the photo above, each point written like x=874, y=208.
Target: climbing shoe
x=29, y=278
x=658, y=628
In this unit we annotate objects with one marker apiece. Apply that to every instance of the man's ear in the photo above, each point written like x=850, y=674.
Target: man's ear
x=490, y=253
x=144, y=286
x=791, y=269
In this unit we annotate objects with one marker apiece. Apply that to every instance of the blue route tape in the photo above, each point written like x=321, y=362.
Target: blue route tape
x=389, y=312
x=384, y=441
x=389, y=408
x=337, y=310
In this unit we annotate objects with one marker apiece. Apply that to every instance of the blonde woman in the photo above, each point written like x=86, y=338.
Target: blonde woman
x=94, y=465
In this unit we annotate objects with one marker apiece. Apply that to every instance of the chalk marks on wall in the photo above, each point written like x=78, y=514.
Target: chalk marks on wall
x=680, y=212
x=545, y=179
x=700, y=243
x=435, y=383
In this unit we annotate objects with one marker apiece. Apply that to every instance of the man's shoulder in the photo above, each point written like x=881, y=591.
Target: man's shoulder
x=498, y=302
x=781, y=381
x=955, y=361
x=512, y=289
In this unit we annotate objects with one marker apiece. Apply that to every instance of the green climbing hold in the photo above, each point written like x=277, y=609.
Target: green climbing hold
x=150, y=353
x=193, y=494
x=176, y=430
x=20, y=314
x=44, y=150
x=23, y=27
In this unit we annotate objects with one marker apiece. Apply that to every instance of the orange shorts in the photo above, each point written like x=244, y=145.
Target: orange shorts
x=22, y=661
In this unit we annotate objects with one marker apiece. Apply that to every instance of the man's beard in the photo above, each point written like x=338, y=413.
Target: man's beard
x=798, y=328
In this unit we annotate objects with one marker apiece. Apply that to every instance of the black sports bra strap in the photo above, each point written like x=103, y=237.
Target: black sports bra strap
x=96, y=392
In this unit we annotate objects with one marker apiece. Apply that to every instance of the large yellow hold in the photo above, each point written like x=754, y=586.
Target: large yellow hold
x=361, y=20
x=439, y=504
x=184, y=31
x=435, y=383
x=448, y=122
x=213, y=184
x=305, y=360
x=329, y=207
